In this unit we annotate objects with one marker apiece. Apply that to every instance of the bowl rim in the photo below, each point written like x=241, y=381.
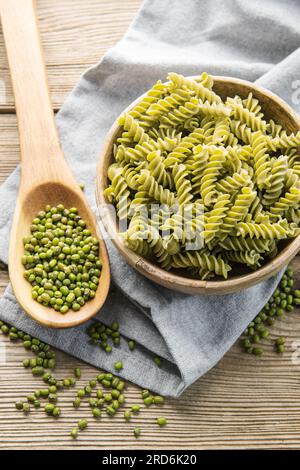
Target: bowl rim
x=170, y=279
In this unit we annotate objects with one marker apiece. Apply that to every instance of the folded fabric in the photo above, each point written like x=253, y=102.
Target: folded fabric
x=252, y=40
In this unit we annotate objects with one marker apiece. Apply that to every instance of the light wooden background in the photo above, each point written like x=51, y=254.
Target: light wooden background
x=244, y=401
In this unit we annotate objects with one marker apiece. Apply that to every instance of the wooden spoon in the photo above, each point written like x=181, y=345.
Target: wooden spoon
x=45, y=175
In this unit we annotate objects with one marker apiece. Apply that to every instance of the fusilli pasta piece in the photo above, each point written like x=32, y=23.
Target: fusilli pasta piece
x=135, y=131
x=149, y=185
x=291, y=199
x=275, y=181
x=215, y=218
x=267, y=231
x=249, y=258
x=245, y=116
x=238, y=211
x=200, y=259
x=210, y=176
x=201, y=91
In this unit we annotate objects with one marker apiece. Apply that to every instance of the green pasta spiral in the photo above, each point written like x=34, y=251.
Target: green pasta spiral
x=210, y=176
x=200, y=88
x=185, y=147
x=201, y=158
x=214, y=220
x=134, y=129
x=238, y=211
x=261, y=158
x=246, y=116
x=165, y=105
x=267, y=231
x=181, y=114
x=202, y=260
x=158, y=171
x=131, y=175
x=289, y=200
x=285, y=141
x=234, y=182
x=162, y=256
x=118, y=191
x=246, y=244
x=221, y=131
x=276, y=180
x=182, y=184
x=149, y=185
x=140, y=111
x=249, y=258
x=252, y=104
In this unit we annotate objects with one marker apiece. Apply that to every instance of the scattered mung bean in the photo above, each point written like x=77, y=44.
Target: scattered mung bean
x=161, y=421
x=82, y=424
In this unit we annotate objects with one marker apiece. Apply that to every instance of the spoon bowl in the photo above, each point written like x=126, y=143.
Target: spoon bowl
x=45, y=176
x=52, y=193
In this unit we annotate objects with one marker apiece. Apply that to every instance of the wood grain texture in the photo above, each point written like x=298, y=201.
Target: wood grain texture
x=243, y=402
x=9, y=145
x=75, y=34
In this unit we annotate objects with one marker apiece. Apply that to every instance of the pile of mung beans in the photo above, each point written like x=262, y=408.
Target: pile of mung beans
x=106, y=392
x=61, y=259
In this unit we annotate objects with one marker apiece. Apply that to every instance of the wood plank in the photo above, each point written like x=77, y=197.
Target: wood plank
x=243, y=402
x=75, y=35
x=9, y=145
x=3, y=279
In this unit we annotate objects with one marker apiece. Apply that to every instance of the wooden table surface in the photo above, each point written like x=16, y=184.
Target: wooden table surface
x=243, y=402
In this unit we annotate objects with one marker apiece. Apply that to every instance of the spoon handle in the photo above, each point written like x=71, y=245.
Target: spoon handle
x=39, y=141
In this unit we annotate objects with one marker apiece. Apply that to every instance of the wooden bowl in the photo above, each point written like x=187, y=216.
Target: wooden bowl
x=273, y=108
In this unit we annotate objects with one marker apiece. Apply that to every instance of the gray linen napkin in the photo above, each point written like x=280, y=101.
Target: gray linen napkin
x=253, y=40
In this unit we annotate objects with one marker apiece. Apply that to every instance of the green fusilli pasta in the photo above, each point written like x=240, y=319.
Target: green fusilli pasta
x=182, y=184
x=118, y=191
x=214, y=219
x=221, y=131
x=275, y=181
x=261, y=159
x=140, y=111
x=133, y=128
x=249, y=258
x=246, y=244
x=252, y=104
x=247, y=117
x=165, y=105
x=237, y=212
x=289, y=200
x=267, y=231
x=149, y=185
x=184, y=148
x=202, y=260
x=203, y=92
x=210, y=176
